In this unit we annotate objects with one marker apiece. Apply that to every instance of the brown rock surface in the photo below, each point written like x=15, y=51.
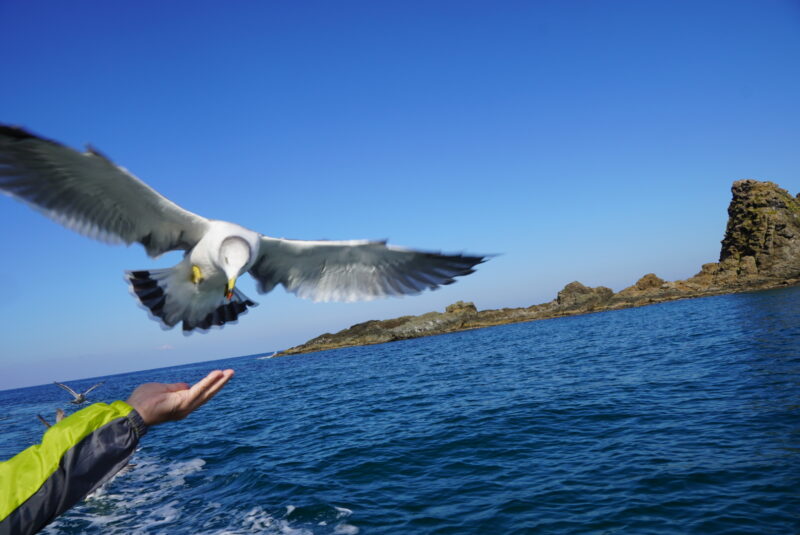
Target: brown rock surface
x=760, y=250
x=577, y=296
x=763, y=227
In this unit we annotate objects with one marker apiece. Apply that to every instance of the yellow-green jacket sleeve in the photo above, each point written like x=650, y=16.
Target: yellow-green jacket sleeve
x=76, y=456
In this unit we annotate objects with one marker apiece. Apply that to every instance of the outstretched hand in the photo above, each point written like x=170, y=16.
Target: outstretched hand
x=157, y=403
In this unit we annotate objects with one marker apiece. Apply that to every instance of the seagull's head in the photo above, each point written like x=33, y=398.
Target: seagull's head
x=234, y=256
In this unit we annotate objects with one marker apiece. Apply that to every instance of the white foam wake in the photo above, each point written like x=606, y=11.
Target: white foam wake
x=147, y=498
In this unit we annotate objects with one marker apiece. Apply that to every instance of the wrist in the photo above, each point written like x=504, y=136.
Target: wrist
x=137, y=423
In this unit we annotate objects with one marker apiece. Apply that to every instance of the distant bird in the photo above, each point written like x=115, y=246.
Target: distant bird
x=59, y=417
x=79, y=398
x=88, y=193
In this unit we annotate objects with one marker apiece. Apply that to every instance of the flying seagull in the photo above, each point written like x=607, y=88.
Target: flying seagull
x=79, y=398
x=88, y=193
x=59, y=417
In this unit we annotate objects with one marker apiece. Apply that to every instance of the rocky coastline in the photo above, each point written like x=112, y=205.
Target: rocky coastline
x=760, y=250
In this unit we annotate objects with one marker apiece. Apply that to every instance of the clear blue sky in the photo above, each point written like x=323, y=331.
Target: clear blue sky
x=591, y=141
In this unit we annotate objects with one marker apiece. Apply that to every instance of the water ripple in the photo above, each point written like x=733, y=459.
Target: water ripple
x=675, y=418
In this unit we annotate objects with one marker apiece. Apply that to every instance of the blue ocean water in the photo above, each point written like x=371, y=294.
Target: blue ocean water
x=676, y=418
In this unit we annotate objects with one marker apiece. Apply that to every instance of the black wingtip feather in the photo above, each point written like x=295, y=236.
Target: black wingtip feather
x=157, y=307
x=16, y=132
x=149, y=293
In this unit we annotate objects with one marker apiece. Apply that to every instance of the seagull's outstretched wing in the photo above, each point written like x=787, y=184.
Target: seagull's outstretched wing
x=89, y=194
x=353, y=270
x=68, y=389
x=93, y=387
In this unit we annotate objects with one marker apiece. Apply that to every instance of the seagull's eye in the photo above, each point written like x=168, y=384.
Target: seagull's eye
x=226, y=260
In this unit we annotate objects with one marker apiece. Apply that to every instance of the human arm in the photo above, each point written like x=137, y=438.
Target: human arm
x=85, y=450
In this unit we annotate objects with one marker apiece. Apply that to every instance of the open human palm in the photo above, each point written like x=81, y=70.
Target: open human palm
x=157, y=403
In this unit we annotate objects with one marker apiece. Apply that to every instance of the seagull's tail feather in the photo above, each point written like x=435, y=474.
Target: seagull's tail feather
x=226, y=312
x=170, y=298
x=150, y=287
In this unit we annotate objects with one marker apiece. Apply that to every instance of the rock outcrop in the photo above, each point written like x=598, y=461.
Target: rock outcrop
x=760, y=250
x=576, y=295
x=761, y=239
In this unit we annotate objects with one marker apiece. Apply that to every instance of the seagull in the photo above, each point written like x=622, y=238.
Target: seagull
x=79, y=398
x=59, y=417
x=88, y=193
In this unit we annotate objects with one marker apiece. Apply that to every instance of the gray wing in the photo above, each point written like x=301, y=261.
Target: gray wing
x=68, y=389
x=93, y=387
x=88, y=193
x=353, y=270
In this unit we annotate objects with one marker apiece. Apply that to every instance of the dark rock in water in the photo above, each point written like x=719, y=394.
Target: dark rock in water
x=760, y=250
x=576, y=295
x=454, y=318
x=763, y=227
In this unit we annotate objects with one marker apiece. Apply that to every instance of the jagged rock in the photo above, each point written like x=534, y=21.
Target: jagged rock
x=761, y=249
x=453, y=319
x=646, y=290
x=649, y=282
x=653, y=289
x=427, y=324
x=748, y=266
x=576, y=295
x=460, y=307
x=763, y=224
x=487, y=318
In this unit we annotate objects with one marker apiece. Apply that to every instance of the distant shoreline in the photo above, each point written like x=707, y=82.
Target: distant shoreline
x=760, y=251
x=462, y=316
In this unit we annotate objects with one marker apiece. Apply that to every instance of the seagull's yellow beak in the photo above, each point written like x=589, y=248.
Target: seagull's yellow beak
x=229, y=288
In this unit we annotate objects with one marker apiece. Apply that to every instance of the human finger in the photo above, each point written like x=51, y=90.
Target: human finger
x=206, y=388
x=203, y=384
x=211, y=390
x=217, y=385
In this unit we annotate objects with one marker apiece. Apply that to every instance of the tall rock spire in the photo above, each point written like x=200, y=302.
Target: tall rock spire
x=762, y=232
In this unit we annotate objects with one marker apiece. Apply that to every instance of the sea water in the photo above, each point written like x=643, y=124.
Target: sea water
x=682, y=417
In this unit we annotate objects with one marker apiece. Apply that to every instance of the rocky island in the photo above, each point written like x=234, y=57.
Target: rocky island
x=760, y=250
